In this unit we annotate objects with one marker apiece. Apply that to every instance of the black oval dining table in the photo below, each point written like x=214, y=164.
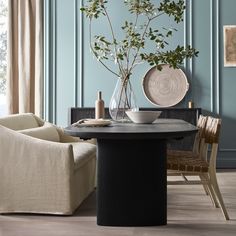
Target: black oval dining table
x=131, y=170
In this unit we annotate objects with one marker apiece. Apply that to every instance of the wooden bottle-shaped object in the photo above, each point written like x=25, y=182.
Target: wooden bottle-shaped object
x=99, y=107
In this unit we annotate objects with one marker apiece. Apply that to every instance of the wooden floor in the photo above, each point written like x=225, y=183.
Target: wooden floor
x=190, y=212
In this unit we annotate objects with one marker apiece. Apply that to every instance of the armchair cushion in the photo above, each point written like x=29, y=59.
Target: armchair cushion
x=46, y=132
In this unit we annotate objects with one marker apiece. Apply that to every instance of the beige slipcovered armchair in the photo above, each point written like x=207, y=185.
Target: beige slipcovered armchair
x=43, y=170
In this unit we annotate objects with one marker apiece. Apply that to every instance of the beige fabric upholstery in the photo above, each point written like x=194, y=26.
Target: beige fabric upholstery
x=82, y=153
x=19, y=122
x=45, y=132
x=40, y=176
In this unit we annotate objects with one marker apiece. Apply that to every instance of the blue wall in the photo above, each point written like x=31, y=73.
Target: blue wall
x=73, y=77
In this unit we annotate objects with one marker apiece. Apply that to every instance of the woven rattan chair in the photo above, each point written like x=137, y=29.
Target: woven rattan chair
x=198, y=141
x=199, y=148
x=200, y=165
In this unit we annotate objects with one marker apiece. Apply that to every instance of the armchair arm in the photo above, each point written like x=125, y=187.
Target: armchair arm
x=21, y=147
x=65, y=138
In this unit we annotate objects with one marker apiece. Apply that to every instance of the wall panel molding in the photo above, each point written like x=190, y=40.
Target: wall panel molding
x=77, y=84
x=75, y=53
x=212, y=53
x=215, y=63
x=78, y=54
x=81, y=64
x=215, y=60
x=218, y=77
x=54, y=73
x=188, y=36
x=226, y=164
x=50, y=60
x=227, y=149
x=46, y=12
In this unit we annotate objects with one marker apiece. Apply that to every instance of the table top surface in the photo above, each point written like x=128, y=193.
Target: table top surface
x=160, y=129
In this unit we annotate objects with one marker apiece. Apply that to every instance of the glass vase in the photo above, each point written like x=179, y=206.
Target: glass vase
x=122, y=99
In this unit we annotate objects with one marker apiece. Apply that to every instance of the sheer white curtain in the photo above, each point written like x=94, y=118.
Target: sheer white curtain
x=25, y=56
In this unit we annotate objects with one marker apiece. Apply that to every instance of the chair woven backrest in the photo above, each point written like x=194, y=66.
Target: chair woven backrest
x=201, y=124
x=198, y=142
x=212, y=131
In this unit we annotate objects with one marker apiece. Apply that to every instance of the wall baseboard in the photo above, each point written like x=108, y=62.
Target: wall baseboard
x=226, y=164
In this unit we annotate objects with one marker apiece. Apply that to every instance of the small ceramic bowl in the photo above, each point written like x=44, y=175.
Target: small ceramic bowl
x=143, y=117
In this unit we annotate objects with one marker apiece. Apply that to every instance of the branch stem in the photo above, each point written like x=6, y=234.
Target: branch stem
x=144, y=32
x=113, y=37
x=91, y=47
x=128, y=51
x=138, y=49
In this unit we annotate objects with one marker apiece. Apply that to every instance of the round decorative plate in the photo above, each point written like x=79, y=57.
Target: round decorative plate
x=165, y=88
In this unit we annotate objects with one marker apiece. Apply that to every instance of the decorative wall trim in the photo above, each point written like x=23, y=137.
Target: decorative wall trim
x=50, y=56
x=211, y=53
x=46, y=14
x=54, y=73
x=75, y=53
x=217, y=13
x=226, y=164
x=227, y=149
x=185, y=31
x=188, y=40
x=81, y=56
x=188, y=34
x=215, y=65
x=217, y=57
x=49, y=49
x=191, y=35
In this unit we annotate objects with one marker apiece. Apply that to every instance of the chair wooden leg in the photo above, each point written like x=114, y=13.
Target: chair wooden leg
x=213, y=196
x=217, y=192
x=204, y=185
x=210, y=190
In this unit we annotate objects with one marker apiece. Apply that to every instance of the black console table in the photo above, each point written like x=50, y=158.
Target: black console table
x=131, y=173
x=187, y=114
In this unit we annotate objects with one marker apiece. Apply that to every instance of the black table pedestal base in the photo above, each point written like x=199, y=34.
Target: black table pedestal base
x=131, y=189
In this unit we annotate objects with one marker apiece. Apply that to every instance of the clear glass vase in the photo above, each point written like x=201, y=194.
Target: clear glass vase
x=122, y=99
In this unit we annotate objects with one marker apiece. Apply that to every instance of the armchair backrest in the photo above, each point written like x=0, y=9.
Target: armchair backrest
x=19, y=121
x=31, y=125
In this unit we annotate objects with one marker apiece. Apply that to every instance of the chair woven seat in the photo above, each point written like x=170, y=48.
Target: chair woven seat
x=192, y=164
x=179, y=153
